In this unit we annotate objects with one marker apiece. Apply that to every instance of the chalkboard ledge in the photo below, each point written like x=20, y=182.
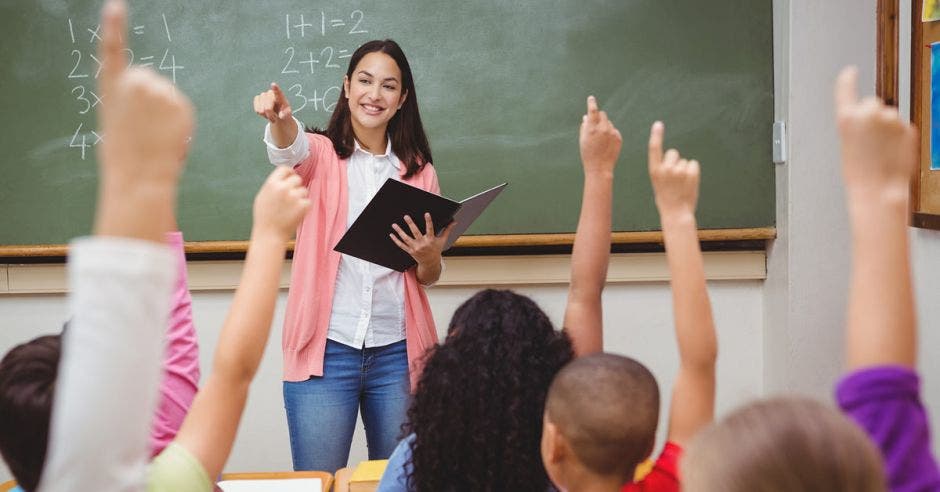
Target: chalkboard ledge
x=462, y=271
x=720, y=239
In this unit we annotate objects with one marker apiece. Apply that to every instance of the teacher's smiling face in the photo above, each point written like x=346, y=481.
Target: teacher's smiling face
x=374, y=92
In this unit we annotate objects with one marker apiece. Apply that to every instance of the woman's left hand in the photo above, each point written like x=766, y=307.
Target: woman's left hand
x=424, y=247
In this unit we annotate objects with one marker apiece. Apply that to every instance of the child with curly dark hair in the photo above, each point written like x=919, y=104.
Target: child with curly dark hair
x=475, y=423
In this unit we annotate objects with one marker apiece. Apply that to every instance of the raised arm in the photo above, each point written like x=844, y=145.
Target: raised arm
x=675, y=185
x=879, y=155
x=881, y=391
x=209, y=430
x=120, y=280
x=600, y=146
x=180, y=358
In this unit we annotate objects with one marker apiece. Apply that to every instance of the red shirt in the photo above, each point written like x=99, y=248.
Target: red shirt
x=664, y=477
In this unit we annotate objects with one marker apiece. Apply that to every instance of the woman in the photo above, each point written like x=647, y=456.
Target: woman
x=354, y=331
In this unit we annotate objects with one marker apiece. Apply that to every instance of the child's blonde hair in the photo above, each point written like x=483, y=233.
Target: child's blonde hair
x=783, y=444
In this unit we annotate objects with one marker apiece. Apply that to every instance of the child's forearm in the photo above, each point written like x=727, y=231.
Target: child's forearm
x=695, y=331
x=246, y=329
x=589, y=258
x=209, y=429
x=693, y=397
x=881, y=321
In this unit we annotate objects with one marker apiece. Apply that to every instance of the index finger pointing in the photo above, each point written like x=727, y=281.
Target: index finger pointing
x=111, y=46
x=278, y=94
x=846, y=91
x=592, y=112
x=656, y=144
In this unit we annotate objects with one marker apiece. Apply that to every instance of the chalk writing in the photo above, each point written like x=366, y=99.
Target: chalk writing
x=84, y=66
x=312, y=63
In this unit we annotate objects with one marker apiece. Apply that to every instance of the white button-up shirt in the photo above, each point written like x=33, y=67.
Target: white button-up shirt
x=368, y=301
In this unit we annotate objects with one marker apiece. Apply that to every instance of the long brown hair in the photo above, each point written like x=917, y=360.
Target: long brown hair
x=783, y=444
x=405, y=130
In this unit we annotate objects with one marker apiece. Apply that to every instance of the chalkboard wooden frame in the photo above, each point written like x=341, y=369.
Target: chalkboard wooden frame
x=486, y=241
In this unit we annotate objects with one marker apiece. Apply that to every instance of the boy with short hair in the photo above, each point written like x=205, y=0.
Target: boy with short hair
x=601, y=411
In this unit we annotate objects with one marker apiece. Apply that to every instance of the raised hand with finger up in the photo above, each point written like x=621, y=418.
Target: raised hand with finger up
x=675, y=179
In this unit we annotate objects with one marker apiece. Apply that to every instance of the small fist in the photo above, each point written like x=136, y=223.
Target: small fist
x=879, y=151
x=272, y=105
x=675, y=180
x=281, y=203
x=599, y=141
x=146, y=122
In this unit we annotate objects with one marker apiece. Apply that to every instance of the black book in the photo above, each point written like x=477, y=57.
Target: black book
x=368, y=237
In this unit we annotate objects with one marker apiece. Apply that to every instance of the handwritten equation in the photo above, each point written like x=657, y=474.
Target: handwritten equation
x=86, y=67
x=315, y=60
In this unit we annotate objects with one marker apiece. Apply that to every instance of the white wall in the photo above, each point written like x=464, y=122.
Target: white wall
x=808, y=265
x=637, y=319
x=805, y=290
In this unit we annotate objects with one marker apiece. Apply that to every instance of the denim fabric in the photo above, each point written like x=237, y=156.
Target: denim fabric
x=395, y=477
x=322, y=411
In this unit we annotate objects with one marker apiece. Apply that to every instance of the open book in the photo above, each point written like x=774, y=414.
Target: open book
x=272, y=485
x=368, y=237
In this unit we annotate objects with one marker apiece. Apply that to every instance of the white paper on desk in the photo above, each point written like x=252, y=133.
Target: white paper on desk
x=470, y=209
x=282, y=485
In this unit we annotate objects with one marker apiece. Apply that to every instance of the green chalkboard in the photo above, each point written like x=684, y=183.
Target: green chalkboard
x=501, y=85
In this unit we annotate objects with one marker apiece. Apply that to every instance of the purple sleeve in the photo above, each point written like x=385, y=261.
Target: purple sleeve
x=180, y=360
x=885, y=402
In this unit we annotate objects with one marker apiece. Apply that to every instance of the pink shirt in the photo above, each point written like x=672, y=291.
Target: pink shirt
x=180, y=359
x=315, y=265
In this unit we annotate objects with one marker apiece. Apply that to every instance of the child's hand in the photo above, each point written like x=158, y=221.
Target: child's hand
x=879, y=151
x=280, y=203
x=599, y=140
x=273, y=105
x=146, y=122
x=675, y=180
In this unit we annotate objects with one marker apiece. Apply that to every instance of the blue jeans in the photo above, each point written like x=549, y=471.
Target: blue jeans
x=322, y=411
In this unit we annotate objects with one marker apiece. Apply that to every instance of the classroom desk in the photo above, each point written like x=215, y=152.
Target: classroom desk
x=342, y=479
x=325, y=477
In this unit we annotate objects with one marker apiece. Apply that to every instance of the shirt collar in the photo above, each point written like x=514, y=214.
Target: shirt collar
x=388, y=152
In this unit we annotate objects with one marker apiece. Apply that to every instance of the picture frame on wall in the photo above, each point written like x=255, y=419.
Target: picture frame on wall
x=924, y=104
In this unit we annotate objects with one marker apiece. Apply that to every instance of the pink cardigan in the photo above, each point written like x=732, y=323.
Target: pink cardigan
x=313, y=275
